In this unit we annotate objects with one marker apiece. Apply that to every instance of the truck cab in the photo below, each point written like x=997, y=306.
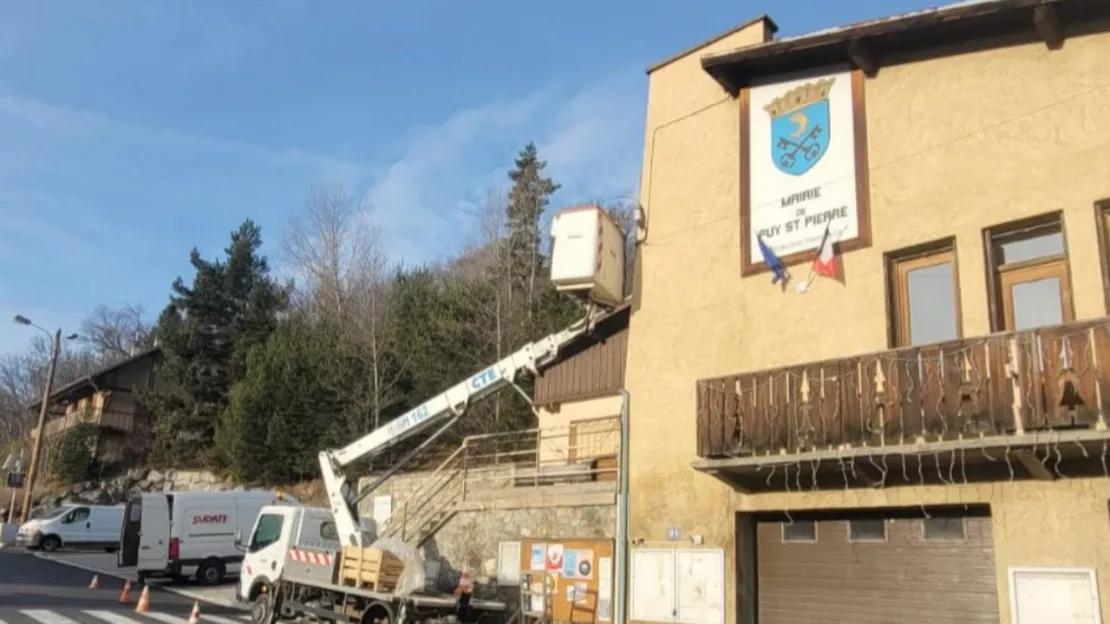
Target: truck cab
x=305, y=537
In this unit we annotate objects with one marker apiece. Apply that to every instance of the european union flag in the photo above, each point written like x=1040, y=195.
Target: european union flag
x=772, y=261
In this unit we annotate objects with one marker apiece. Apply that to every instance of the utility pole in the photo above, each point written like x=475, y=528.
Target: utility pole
x=36, y=449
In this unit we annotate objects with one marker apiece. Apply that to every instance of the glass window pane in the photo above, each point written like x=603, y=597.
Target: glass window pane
x=267, y=532
x=870, y=529
x=799, y=531
x=1037, y=303
x=944, y=528
x=1049, y=243
x=932, y=303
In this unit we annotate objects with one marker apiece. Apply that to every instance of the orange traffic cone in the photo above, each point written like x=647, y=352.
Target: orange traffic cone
x=125, y=595
x=194, y=617
x=143, y=605
x=95, y=583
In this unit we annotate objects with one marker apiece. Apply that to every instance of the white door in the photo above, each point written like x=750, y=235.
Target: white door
x=270, y=541
x=75, y=526
x=154, y=533
x=1054, y=596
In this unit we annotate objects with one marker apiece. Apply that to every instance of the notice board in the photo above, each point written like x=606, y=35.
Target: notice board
x=579, y=578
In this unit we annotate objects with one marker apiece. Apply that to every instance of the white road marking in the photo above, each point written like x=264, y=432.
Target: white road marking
x=219, y=619
x=44, y=616
x=163, y=617
x=112, y=617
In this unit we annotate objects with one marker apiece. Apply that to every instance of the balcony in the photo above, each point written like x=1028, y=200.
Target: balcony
x=106, y=419
x=1012, y=405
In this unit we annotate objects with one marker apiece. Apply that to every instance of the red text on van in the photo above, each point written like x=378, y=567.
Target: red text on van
x=210, y=519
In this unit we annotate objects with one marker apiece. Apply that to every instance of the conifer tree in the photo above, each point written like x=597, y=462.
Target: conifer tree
x=206, y=332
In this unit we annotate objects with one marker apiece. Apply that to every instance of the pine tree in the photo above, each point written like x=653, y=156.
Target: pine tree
x=528, y=198
x=206, y=332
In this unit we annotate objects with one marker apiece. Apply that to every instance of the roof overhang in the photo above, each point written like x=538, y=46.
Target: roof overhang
x=93, y=381
x=910, y=36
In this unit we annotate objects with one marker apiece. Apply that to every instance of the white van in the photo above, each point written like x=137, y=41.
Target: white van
x=73, y=526
x=182, y=535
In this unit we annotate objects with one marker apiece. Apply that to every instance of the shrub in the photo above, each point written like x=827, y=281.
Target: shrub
x=74, y=458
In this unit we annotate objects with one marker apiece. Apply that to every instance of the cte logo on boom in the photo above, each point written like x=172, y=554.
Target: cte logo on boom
x=210, y=519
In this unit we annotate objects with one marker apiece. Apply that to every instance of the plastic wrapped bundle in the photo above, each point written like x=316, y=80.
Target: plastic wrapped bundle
x=413, y=578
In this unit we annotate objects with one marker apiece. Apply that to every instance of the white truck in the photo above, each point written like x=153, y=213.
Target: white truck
x=292, y=553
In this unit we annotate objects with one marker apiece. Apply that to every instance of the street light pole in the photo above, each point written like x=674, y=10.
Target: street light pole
x=36, y=447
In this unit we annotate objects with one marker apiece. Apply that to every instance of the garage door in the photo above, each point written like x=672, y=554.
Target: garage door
x=889, y=569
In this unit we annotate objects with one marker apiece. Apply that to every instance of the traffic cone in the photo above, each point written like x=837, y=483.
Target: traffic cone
x=95, y=583
x=194, y=617
x=125, y=595
x=143, y=605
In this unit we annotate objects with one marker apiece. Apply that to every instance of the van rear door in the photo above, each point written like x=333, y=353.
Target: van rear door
x=128, y=554
x=154, y=533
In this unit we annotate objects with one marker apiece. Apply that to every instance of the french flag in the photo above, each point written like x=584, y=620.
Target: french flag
x=826, y=263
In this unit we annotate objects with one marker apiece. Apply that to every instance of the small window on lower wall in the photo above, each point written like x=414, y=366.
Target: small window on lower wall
x=946, y=529
x=799, y=531
x=867, y=530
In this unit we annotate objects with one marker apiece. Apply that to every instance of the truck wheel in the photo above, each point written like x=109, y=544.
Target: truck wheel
x=210, y=572
x=50, y=543
x=376, y=614
x=262, y=611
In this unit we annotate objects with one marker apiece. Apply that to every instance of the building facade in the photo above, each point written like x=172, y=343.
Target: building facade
x=578, y=400
x=917, y=433
x=109, y=399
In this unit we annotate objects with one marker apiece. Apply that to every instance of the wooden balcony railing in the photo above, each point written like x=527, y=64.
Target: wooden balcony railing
x=1051, y=378
x=106, y=419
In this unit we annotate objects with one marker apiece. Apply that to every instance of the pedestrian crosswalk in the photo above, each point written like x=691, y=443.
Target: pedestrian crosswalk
x=99, y=616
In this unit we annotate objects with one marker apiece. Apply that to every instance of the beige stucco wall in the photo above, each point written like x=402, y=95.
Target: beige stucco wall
x=955, y=144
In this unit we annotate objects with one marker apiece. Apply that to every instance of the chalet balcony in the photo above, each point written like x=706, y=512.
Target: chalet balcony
x=114, y=420
x=1012, y=405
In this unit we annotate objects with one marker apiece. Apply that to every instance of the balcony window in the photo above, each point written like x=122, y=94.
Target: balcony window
x=924, y=294
x=1028, y=262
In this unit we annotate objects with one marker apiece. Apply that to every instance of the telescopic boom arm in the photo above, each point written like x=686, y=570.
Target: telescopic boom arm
x=451, y=403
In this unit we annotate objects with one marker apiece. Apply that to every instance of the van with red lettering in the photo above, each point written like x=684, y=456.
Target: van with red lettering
x=190, y=535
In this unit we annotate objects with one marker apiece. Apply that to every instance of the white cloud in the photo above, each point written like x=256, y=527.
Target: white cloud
x=72, y=124
x=428, y=201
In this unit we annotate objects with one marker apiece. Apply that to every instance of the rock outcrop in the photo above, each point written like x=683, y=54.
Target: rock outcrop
x=119, y=489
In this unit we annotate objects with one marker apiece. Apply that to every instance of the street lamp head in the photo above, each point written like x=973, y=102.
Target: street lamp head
x=71, y=337
x=22, y=320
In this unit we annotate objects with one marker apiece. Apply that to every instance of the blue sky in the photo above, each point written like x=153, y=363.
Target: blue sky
x=135, y=130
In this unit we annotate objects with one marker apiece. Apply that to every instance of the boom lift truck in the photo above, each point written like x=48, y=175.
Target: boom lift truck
x=291, y=567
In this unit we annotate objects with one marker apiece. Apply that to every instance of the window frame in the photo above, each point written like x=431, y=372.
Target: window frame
x=254, y=545
x=945, y=538
x=1102, y=228
x=899, y=263
x=1001, y=277
x=786, y=540
x=867, y=540
x=334, y=529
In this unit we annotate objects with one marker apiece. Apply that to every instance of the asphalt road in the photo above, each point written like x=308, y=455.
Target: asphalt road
x=38, y=591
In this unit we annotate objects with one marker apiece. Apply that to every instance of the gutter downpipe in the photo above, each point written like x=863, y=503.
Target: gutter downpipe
x=622, y=571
